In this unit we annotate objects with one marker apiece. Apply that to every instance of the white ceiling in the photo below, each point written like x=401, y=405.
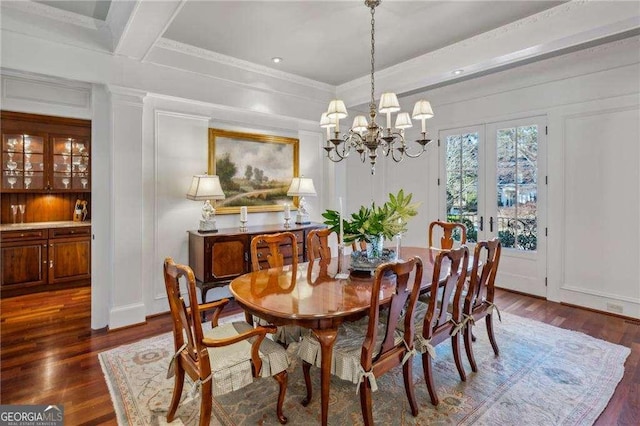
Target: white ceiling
x=326, y=44
x=93, y=9
x=329, y=41
x=326, y=41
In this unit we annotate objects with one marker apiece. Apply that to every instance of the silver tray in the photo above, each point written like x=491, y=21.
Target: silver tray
x=361, y=263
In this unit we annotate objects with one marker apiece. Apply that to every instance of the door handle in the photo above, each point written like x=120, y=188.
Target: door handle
x=482, y=223
x=491, y=224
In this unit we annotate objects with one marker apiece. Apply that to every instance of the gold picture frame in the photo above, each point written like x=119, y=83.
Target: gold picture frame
x=255, y=170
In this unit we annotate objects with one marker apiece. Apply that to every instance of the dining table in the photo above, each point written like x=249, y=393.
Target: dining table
x=312, y=295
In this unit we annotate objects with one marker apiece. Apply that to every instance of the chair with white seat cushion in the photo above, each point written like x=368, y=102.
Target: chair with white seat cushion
x=478, y=302
x=220, y=359
x=364, y=351
x=441, y=317
x=274, y=251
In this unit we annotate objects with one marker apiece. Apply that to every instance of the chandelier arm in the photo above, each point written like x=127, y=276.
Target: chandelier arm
x=400, y=158
x=416, y=155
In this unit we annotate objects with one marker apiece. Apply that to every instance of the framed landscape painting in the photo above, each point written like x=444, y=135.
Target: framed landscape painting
x=254, y=170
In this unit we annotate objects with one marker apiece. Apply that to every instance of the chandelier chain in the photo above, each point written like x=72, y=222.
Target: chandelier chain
x=373, y=51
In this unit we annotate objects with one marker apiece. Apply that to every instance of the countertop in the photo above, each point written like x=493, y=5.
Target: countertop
x=42, y=225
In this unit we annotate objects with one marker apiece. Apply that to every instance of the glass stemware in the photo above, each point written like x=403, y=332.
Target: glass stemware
x=65, y=182
x=84, y=182
x=22, y=208
x=14, y=212
x=12, y=165
x=12, y=181
x=27, y=182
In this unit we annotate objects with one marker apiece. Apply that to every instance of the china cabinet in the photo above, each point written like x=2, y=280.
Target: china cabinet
x=45, y=154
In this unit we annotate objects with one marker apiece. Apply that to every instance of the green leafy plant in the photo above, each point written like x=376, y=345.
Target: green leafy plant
x=387, y=220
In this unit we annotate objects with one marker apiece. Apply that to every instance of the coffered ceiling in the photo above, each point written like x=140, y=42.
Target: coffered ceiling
x=327, y=43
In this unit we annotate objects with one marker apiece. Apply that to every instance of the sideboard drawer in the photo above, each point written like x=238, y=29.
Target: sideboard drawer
x=69, y=232
x=30, y=234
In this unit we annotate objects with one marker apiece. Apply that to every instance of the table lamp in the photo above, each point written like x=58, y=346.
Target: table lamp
x=302, y=187
x=206, y=187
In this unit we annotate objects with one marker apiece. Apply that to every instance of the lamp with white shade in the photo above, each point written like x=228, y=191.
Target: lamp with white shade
x=206, y=188
x=302, y=187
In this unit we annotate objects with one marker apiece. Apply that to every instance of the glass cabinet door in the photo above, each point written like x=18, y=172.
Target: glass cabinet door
x=70, y=163
x=22, y=162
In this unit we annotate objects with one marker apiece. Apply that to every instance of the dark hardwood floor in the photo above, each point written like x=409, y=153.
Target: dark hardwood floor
x=49, y=353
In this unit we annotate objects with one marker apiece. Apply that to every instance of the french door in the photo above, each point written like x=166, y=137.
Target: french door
x=494, y=179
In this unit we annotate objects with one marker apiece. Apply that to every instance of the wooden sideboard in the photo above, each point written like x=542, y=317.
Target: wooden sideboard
x=217, y=258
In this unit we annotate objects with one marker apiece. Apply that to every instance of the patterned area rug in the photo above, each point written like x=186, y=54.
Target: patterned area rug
x=544, y=376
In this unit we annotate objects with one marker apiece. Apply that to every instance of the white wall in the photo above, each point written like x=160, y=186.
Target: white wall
x=591, y=101
x=149, y=134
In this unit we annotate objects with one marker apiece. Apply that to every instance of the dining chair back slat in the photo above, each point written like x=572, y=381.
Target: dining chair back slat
x=275, y=242
x=318, y=244
x=448, y=230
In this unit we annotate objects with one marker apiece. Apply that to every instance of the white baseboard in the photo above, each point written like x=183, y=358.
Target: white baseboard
x=123, y=316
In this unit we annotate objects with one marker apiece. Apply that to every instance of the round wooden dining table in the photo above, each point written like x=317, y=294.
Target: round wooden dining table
x=309, y=295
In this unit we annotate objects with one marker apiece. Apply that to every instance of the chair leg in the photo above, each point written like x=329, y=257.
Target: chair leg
x=428, y=377
x=282, y=379
x=407, y=373
x=468, y=347
x=306, y=367
x=492, y=338
x=206, y=401
x=455, y=344
x=177, y=392
x=365, y=402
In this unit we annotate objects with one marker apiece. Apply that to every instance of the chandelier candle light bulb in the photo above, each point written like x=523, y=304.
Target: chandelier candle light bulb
x=368, y=139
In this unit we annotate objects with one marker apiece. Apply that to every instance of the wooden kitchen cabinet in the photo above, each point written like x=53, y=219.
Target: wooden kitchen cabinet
x=24, y=262
x=41, y=259
x=219, y=257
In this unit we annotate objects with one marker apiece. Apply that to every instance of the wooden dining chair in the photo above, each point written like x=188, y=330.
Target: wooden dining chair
x=383, y=348
x=274, y=251
x=441, y=317
x=219, y=359
x=448, y=230
x=318, y=244
x=479, y=303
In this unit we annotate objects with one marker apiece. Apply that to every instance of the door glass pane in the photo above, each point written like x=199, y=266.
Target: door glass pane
x=517, y=186
x=462, y=182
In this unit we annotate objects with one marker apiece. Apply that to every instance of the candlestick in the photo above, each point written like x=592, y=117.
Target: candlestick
x=341, y=225
x=287, y=211
x=243, y=218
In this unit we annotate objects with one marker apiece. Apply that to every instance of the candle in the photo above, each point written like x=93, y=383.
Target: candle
x=287, y=211
x=340, y=217
x=424, y=126
x=243, y=213
x=388, y=120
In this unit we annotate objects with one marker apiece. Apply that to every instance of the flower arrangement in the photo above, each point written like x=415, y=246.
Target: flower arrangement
x=370, y=223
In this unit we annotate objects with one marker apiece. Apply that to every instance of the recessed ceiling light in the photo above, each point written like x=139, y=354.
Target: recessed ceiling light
x=458, y=72
x=276, y=59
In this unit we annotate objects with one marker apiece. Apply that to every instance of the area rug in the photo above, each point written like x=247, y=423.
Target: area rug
x=544, y=376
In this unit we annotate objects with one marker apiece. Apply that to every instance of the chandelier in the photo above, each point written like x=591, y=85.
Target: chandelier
x=366, y=137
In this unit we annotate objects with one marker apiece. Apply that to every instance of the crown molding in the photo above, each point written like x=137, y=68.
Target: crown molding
x=435, y=67
x=55, y=14
x=491, y=35
x=209, y=55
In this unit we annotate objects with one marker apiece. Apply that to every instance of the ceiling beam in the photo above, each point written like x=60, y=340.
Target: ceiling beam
x=136, y=26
